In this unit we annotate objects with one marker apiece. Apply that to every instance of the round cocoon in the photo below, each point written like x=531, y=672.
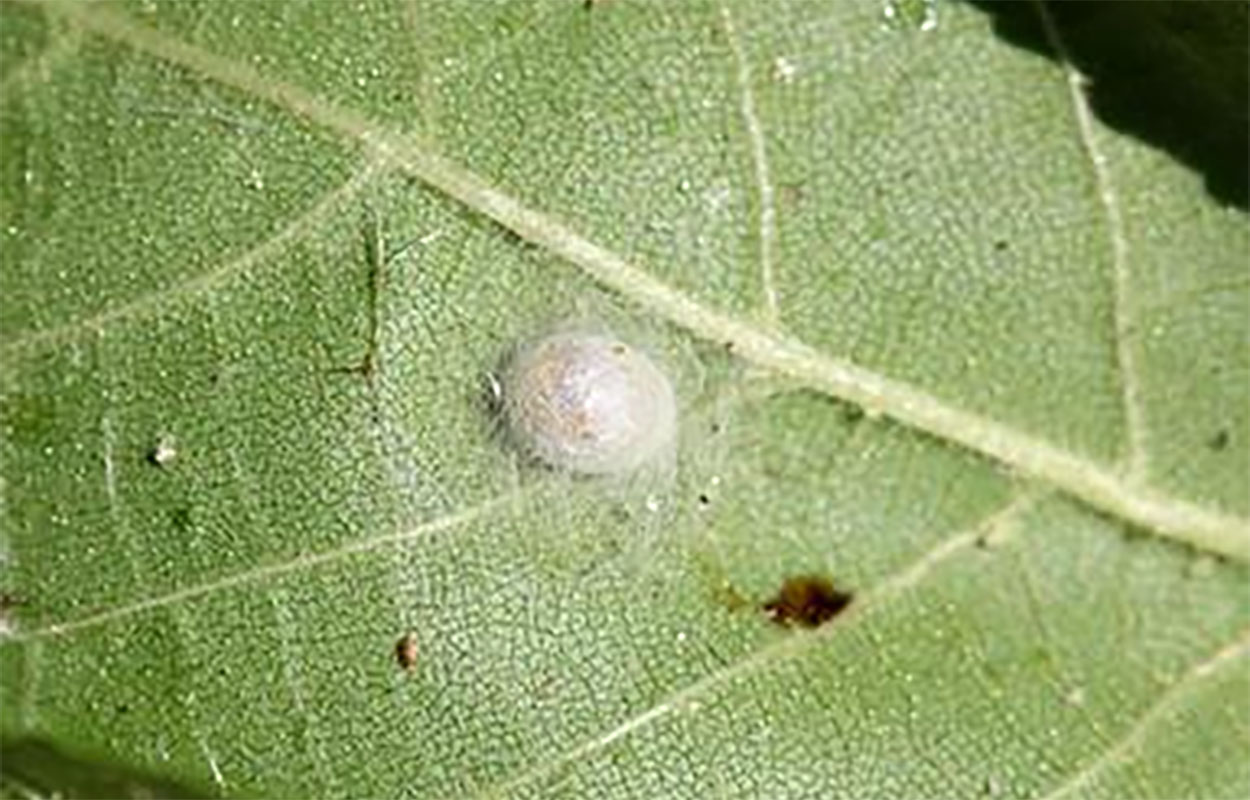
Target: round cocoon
x=589, y=404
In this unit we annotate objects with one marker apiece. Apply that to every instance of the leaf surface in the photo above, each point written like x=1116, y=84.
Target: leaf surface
x=939, y=334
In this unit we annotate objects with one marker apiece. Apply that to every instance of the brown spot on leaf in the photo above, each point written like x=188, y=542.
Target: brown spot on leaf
x=406, y=652
x=806, y=600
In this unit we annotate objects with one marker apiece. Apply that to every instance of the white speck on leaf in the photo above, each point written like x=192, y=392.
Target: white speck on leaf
x=784, y=69
x=165, y=450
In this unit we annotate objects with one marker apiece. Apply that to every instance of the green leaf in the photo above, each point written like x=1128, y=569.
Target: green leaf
x=35, y=769
x=946, y=332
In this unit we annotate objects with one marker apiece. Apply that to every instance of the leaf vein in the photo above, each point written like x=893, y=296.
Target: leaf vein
x=1134, y=414
x=1123, y=749
x=306, y=222
x=685, y=699
x=357, y=547
x=1076, y=475
x=759, y=155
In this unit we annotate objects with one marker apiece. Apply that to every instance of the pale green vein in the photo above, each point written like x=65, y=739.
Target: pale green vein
x=1134, y=415
x=869, y=602
x=263, y=573
x=1123, y=750
x=310, y=220
x=763, y=180
x=1027, y=455
x=260, y=575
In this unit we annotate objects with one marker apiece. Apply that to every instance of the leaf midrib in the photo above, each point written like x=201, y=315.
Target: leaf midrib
x=1104, y=490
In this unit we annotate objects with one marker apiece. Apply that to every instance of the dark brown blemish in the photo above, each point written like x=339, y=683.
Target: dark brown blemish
x=406, y=652
x=806, y=600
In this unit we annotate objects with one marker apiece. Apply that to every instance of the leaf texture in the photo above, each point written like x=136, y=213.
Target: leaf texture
x=939, y=332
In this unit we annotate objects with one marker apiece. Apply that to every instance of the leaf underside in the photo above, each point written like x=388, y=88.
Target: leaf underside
x=259, y=258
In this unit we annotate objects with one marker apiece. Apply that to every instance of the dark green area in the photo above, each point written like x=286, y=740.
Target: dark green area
x=34, y=768
x=1174, y=74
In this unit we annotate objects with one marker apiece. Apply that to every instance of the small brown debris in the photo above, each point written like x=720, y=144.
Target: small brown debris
x=406, y=652
x=806, y=600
